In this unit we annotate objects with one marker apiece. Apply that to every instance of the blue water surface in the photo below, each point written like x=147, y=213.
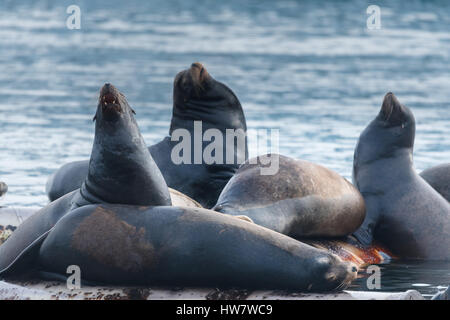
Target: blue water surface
x=311, y=69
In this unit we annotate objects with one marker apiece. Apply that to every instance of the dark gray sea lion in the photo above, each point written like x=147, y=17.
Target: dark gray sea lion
x=404, y=213
x=197, y=96
x=151, y=242
x=185, y=247
x=121, y=170
x=302, y=199
x=3, y=188
x=439, y=178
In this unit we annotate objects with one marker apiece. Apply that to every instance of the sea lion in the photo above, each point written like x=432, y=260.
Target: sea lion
x=301, y=200
x=185, y=247
x=197, y=96
x=121, y=170
x=439, y=178
x=404, y=213
x=145, y=240
x=3, y=188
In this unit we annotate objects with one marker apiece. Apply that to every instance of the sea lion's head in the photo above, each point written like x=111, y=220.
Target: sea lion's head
x=121, y=169
x=390, y=133
x=192, y=83
x=3, y=188
x=112, y=105
x=198, y=96
x=338, y=274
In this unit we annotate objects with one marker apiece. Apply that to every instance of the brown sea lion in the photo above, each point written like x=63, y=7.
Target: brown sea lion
x=301, y=200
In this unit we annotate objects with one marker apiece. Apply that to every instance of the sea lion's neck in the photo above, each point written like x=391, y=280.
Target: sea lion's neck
x=121, y=169
x=218, y=108
x=216, y=119
x=396, y=165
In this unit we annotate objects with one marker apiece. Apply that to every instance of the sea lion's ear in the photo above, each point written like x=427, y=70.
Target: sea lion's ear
x=94, y=118
x=134, y=112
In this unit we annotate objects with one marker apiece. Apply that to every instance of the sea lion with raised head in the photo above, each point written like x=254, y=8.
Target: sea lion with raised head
x=199, y=103
x=144, y=240
x=439, y=178
x=404, y=213
x=121, y=170
x=301, y=200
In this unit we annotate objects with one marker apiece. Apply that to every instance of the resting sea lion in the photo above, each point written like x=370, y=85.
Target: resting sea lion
x=404, y=213
x=143, y=240
x=302, y=199
x=197, y=96
x=439, y=178
x=185, y=247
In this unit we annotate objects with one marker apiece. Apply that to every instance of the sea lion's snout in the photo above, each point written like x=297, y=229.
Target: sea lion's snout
x=109, y=100
x=393, y=112
x=338, y=274
x=109, y=94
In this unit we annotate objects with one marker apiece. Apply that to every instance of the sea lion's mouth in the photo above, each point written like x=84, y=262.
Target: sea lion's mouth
x=110, y=100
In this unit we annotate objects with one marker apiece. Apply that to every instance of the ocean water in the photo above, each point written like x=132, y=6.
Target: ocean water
x=311, y=69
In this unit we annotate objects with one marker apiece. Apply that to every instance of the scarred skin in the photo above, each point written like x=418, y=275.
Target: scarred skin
x=301, y=200
x=439, y=178
x=197, y=96
x=404, y=213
